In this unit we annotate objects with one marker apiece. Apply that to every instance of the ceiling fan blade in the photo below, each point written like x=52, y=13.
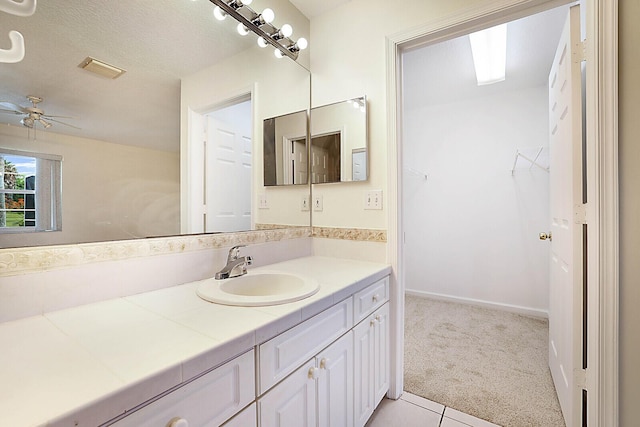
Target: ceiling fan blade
x=63, y=123
x=15, y=108
x=2, y=110
x=47, y=116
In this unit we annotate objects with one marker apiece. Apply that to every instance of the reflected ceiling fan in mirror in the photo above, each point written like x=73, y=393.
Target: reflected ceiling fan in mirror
x=32, y=114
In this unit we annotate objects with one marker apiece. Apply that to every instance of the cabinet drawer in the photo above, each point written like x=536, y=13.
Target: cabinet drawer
x=369, y=299
x=206, y=401
x=285, y=353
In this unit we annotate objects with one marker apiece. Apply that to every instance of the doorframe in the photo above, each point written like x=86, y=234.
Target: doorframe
x=601, y=50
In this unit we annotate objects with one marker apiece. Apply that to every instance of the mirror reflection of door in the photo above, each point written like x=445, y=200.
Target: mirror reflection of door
x=326, y=159
x=359, y=164
x=295, y=160
x=227, y=169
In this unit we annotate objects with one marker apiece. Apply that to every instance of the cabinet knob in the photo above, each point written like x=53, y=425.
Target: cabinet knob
x=324, y=362
x=373, y=322
x=314, y=373
x=178, y=422
x=376, y=297
x=378, y=318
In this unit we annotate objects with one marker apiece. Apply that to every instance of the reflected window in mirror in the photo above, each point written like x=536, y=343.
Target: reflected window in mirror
x=31, y=192
x=339, y=142
x=285, y=148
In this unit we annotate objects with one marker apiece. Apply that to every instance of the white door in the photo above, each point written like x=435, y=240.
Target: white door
x=228, y=176
x=319, y=164
x=565, y=300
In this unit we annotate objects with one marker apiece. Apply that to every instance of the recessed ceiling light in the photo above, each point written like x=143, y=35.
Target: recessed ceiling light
x=101, y=68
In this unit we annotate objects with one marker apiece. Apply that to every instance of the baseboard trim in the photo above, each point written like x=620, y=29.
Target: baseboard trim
x=527, y=311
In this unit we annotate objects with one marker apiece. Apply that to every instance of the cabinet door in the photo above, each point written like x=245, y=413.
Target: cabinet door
x=381, y=352
x=363, y=336
x=335, y=384
x=292, y=403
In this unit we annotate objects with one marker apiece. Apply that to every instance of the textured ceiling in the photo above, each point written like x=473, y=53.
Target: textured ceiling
x=156, y=41
x=311, y=8
x=160, y=41
x=444, y=72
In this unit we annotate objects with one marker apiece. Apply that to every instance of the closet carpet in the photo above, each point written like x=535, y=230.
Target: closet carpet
x=487, y=363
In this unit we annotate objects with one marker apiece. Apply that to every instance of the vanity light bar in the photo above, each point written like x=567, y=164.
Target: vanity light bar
x=255, y=24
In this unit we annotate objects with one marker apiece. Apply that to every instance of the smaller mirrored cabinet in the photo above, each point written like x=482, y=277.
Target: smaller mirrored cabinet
x=285, y=149
x=339, y=142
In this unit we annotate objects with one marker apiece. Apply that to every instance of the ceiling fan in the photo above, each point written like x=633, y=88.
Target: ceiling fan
x=33, y=115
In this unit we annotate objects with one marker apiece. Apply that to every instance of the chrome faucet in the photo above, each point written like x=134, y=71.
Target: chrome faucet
x=236, y=266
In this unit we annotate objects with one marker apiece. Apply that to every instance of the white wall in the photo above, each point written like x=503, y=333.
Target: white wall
x=629, y=90
x=348, y=59
x=472, y=227
x=109, y=191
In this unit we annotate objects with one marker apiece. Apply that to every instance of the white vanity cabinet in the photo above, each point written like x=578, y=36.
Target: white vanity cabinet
x=342, y=384
x=371, y=376
x=319, y=393
x=206, y=401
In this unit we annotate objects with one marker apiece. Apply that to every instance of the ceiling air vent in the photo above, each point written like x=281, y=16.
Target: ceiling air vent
x=101, y=68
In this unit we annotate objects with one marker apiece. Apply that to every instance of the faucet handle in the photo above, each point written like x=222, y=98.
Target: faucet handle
x=248, y=259
x=234, y=252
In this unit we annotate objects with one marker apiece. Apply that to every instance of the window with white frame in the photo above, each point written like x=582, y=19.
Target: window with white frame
x=30, y=191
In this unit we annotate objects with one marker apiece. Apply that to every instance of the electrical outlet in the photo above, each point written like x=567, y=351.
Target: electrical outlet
x=304, y=203
x=262, y=202
x=373, y=199
x=317, y=203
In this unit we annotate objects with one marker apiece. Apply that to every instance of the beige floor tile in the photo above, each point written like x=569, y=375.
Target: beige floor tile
x=402, y=413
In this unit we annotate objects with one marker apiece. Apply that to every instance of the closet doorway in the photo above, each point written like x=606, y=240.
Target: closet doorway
x=475, y=198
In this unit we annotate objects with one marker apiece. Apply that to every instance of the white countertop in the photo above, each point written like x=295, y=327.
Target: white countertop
x=98, y=360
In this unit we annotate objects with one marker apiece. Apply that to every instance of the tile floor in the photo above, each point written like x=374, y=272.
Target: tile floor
x=414, y=411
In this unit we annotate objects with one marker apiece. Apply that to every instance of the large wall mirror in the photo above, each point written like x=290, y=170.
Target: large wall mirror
x=339, y=148
x=137, y=147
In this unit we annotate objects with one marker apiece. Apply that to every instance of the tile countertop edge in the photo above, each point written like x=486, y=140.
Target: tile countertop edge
x=114, y=404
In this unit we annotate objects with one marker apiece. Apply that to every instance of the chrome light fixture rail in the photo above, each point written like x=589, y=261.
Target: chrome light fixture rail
x=260, y=24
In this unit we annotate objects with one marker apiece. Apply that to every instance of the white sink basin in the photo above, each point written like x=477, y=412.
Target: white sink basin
x=259, y=288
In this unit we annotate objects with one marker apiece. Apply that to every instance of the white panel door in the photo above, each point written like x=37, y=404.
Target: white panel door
x=319, y=164
x=228, y=177
x=565, y=300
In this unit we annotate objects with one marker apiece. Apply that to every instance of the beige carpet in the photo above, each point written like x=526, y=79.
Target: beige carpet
x=487, y=363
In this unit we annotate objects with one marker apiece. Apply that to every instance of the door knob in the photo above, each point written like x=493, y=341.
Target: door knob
x=545, y=236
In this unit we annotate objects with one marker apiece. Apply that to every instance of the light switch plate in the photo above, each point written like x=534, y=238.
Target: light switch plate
x=304, y=203
x=317, y=203
x=262, y=202
x=373, y=199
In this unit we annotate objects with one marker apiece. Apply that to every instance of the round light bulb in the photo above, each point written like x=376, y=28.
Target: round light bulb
x=268, y=15
x=286, y=30
x=242, y=30
x=302, y=43
x=277, y=53
x=262, y=42
x=219, y=13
